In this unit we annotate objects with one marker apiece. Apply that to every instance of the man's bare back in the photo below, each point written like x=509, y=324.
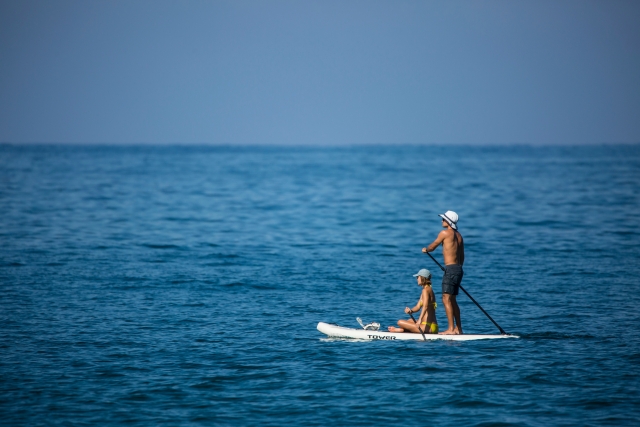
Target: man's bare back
x=452, y=245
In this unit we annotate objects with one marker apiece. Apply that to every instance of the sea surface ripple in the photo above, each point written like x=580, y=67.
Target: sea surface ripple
x=182, y=285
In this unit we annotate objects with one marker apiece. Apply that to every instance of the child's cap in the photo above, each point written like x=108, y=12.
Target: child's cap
x=424, y=273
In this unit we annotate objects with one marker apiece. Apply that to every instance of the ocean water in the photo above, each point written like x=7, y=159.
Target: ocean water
x=156, y=285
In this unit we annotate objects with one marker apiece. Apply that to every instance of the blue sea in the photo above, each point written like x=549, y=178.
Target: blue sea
x=182, y=285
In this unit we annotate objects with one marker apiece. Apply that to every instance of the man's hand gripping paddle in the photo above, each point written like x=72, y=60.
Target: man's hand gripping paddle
x=470, y=297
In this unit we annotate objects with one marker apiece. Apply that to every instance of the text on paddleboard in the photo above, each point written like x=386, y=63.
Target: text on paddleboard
x=380, y=337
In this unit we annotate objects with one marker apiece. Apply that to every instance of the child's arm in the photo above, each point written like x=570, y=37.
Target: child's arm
x=414, y=309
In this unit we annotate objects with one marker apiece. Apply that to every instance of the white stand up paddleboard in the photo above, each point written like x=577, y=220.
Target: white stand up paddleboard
x=342, y=332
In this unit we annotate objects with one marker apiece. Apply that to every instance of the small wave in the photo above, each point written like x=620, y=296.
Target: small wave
x=12, y=264
x=159, y=246
x=625, y=232
x=133, y=279
x=334, y=339
x=138, y=396
x=181, y=281
x=221, y=256
x=195, y=304
x=110, y=374
x=257, y=286
x=220, y=264
x=555, y=336
x=215, y=382
x=177, y=219
x=634, y=357
x=541, y=223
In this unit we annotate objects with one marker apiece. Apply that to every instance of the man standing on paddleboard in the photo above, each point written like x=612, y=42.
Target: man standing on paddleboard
x=453, y=252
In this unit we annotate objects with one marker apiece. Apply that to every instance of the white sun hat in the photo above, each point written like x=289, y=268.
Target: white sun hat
x=451, y=217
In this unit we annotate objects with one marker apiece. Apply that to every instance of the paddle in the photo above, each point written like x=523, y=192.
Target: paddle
x=470, y=297
x=414, y=321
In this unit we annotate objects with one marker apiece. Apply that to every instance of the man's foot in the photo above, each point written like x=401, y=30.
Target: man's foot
x=458, y=331
x=449, y=332
x=394, y=329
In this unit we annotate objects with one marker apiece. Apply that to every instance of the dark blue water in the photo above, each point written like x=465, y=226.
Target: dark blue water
x=183, y=285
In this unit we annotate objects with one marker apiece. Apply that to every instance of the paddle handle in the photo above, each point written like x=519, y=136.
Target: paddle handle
x=470, y=297
x=414, y=321
x=435, y=260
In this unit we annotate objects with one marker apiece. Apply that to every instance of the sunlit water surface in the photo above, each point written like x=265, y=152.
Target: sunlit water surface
x=183, y=285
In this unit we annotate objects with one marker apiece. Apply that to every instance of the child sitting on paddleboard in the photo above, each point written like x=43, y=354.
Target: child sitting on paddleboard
x=427, y=302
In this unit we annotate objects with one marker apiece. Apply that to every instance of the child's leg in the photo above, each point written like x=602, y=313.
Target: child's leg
x=408, y=326
x=405, y=326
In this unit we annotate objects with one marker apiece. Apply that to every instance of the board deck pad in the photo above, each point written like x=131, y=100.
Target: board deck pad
x=336, y=331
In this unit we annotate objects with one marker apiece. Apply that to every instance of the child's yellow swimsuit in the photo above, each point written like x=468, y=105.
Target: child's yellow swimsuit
x=433, y=326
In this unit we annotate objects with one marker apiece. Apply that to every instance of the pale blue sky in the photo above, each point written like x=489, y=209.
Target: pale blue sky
x=320, y=72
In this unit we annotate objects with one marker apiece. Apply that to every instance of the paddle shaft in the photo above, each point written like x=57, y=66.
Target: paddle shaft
x=414, y=321
x=470, y=297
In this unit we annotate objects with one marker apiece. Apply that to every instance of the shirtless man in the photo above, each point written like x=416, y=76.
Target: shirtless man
x=453, y=251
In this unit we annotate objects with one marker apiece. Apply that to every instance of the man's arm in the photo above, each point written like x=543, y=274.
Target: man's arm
x=432, y=247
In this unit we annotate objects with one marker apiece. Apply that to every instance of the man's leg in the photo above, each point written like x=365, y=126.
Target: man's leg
x=456, y=314
x=448, y=307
